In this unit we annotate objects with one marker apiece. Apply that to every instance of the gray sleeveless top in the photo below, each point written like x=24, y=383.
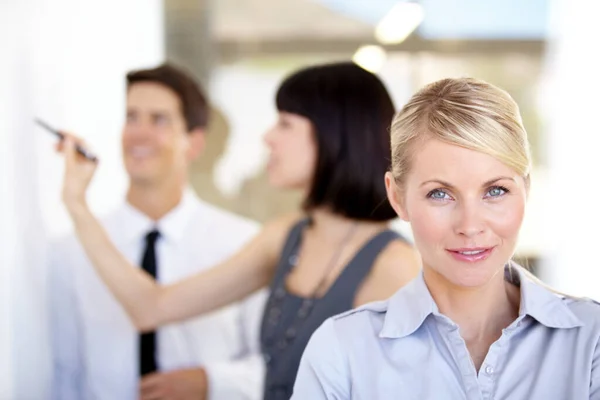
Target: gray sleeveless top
x=290, y=320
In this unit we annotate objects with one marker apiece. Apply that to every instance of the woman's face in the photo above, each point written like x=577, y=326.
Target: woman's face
x=465, y=209
x=293, y=152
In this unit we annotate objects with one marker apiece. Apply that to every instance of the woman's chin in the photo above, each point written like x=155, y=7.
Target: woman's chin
x=278, y=182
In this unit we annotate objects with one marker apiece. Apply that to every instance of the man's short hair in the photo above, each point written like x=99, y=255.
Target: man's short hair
x=195, y=109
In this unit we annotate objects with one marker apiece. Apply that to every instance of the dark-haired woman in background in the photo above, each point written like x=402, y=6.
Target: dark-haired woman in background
x=331, y=141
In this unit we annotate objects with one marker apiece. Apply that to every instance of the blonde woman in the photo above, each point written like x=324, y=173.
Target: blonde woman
x=472, y=325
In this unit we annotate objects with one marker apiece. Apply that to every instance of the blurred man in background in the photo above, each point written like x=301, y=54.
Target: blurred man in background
x=164, y=227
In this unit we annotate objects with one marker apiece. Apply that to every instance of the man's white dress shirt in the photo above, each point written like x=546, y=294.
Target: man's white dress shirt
x=95, y=345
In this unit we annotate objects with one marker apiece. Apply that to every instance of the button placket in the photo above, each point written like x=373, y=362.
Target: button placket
x=463, y=358
x=490, y=368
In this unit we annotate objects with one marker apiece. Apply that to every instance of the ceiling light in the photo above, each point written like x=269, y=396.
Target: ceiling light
x=370, y=57
x=399, y=23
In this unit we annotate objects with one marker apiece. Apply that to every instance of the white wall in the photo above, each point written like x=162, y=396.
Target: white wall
x=7, y=246
x=64, y=61
x=570, y=98
x=249, y=113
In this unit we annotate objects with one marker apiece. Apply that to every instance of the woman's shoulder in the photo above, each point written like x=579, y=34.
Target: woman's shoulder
x=276, y=231
x=397, y=253
x=285, y=222
x=398, y=264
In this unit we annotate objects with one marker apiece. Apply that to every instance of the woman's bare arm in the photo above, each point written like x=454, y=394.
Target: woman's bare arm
x=150, y=305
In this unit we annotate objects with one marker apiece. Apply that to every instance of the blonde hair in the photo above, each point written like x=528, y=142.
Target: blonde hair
x=465, y=112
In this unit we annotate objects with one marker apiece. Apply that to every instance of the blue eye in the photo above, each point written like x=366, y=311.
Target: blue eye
x=438, y=194
x=497, y=191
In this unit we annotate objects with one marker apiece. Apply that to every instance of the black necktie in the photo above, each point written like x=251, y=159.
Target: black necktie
x=147, y=342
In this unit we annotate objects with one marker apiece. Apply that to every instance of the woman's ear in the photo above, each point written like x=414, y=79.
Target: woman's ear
x=395, y=196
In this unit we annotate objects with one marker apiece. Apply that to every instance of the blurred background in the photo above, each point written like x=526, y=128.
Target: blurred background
x=65, y=61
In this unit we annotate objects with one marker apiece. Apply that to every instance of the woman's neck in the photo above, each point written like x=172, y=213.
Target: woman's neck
x=480, y=312
x=333, y=225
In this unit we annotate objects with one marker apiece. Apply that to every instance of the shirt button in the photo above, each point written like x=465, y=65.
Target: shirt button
x=489, y=370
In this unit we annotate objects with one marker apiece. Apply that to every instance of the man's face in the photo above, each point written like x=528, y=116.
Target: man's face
x=155, y=141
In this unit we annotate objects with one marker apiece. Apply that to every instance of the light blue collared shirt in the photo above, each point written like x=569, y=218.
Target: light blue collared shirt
x=405, y=349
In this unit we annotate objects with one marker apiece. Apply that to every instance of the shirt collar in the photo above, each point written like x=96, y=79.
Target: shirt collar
x=539, y=302
x=411, y=305
x=407, y=309
x=171, y=227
